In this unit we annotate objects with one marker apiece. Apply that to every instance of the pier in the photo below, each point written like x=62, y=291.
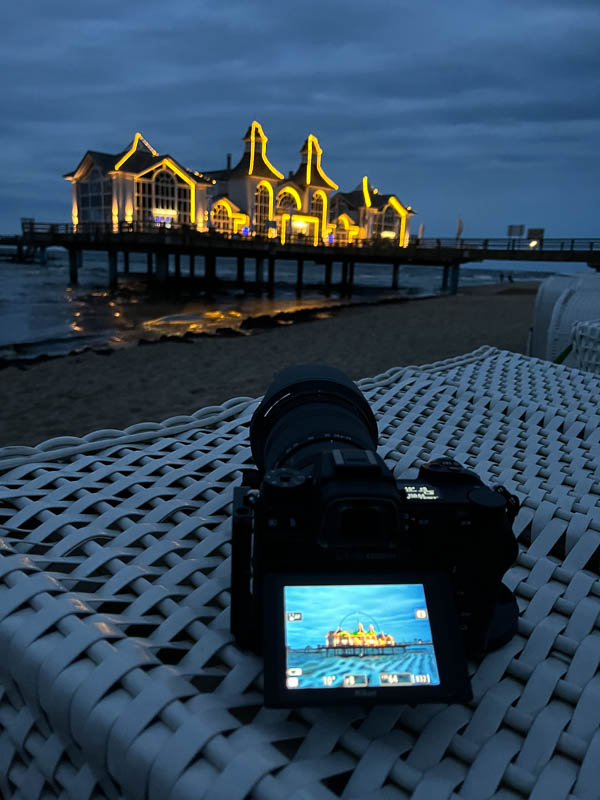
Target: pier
x=348, y=651
x=166, y=249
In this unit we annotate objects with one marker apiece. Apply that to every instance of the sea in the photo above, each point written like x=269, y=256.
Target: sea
x=42, y=316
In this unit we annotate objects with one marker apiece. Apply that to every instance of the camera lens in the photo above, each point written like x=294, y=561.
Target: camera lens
x=306, y=410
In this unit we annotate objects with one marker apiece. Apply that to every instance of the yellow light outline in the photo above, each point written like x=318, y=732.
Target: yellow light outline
x=171, y=164
x=254, y=128
x=403, y=213
x=239, y=218
x=366, y=195
x=302, y=218
x=324, y=214
x=294, y=192
x=314, y=142
x=130, y=152
x=270, y=190
x=353, y=230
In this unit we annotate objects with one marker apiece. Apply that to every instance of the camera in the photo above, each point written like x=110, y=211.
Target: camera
x=354, y=586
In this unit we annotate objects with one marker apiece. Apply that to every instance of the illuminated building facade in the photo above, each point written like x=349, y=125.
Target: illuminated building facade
x=364, y=213
x=138, y=185
x=253, y=198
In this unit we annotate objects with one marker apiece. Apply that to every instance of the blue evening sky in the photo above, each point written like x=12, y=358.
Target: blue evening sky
x=487, y=109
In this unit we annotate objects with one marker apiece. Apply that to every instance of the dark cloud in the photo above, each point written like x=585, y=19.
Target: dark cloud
x=487, y=105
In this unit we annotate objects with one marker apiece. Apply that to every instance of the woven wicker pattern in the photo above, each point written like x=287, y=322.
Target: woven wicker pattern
x=585, y=338
x=119, y=677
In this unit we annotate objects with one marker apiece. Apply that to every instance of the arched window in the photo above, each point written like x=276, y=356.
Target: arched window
x=222, y=221
x=341, y=233
x=390, y=219
x=261, y=210
x=287, y=202
x=164, y=190
x=316, y=205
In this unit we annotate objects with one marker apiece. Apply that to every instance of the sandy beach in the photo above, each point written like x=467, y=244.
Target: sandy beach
x=74, y=395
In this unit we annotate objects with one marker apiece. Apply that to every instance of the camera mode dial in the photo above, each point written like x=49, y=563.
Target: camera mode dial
x=284, y=485
x=446, y=470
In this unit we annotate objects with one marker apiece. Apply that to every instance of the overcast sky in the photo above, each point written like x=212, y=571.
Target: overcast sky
x=487, y=109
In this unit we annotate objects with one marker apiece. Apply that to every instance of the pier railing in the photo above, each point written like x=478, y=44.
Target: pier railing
x=470, y=248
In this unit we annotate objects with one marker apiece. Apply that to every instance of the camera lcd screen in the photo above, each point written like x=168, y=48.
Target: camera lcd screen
x=358, y=636
x=338, y=639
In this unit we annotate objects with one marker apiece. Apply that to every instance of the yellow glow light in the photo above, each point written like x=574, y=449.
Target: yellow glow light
x=164, y=212
x=313, y=143
x=300, y=218
x=129, y=212
x=115, y=214
x=255, y=128
x=388, y=235
x=239, y=219
x=366, y=195
x=403, y=213
x=133, y=148
x=323, y=197
x=168, y=162
x=533, y=243
x=293, y=192
x=353, y=230
x=270, y=191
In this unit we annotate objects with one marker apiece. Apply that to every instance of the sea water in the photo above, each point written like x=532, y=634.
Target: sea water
x=40, y=314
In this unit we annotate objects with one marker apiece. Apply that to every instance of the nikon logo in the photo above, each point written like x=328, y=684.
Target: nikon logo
x=365, y=693
x=420, y=493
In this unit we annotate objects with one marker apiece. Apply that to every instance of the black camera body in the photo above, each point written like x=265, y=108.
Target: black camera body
x=322, y=528
x=351, y=516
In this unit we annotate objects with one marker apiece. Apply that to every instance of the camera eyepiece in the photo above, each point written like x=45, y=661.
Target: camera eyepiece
x=308, y=409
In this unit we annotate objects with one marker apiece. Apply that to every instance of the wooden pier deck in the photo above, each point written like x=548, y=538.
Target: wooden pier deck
x=162, y=245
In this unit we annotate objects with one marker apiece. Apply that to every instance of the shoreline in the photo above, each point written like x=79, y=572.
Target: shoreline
x=78, y=394
x=250, y=325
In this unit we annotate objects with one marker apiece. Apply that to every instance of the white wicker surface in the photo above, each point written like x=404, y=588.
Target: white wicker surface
x=585, y=338
x=119, y=677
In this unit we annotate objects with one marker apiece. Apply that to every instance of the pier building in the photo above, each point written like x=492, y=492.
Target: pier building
x=253, y=198
x=138, y=185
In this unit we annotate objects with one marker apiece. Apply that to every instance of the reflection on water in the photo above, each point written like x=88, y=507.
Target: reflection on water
x=194, y=318
x=40, y=314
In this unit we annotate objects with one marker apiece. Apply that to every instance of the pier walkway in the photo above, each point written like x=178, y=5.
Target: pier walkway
x=165, y=246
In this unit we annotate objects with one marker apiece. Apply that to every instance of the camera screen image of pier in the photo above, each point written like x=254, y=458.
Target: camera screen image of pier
x=356, y=636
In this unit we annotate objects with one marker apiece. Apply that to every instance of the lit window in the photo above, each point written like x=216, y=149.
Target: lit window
x=261, y=210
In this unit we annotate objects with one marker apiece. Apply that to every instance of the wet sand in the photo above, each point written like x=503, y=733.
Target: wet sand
x=74, y=395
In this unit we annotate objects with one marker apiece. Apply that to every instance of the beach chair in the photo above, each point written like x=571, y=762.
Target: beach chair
x=561, y=301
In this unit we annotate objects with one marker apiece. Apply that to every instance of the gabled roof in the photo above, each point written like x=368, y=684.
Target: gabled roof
x=137, y=158
x=104, y=162
x=365, y=196
x=310, y=172
x=254, y=162
x=354, y=198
